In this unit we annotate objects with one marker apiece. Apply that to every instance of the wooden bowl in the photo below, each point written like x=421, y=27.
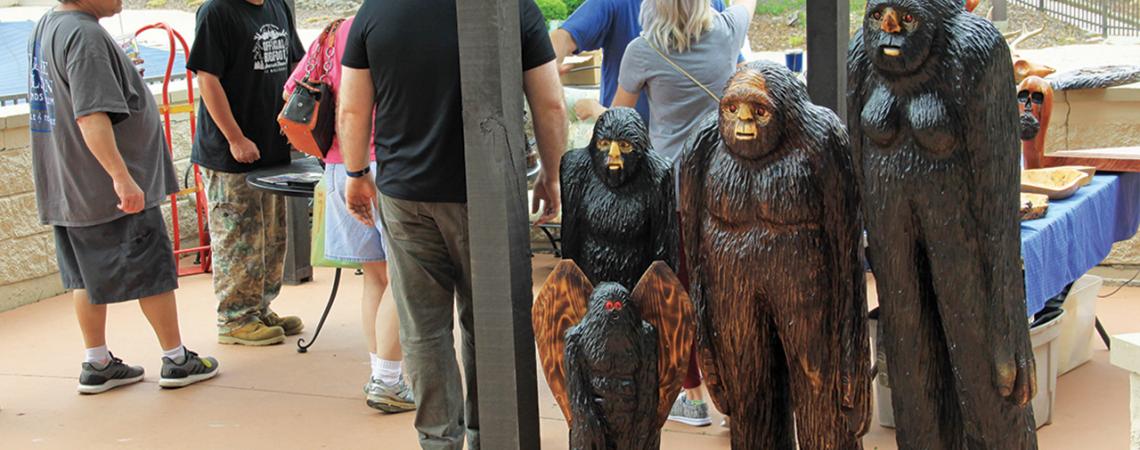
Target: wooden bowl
x=1033, y=206
x=1056, y=182
x=1090, y=170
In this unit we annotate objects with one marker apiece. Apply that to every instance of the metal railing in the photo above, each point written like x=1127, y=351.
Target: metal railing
x=1103, y=17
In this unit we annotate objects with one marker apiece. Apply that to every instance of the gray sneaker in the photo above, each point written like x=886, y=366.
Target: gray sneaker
x=695, y=413
x=389, y=398
x=193, y=369
x=93, y=380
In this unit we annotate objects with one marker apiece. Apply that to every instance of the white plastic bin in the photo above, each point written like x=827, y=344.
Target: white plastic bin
x=1075, y=343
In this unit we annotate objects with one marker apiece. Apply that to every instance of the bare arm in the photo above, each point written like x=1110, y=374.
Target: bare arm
x=354, y=124
x=564, y=45
x=544, y=95
x=100, y=139
x=625, y=98
x=588, y=108
x=218, y=105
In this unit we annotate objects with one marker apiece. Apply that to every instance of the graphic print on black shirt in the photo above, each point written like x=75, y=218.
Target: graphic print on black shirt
x=271, y=49
x=251, y=49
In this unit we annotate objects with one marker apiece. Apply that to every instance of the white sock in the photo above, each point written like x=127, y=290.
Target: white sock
x=374, y=363
x=176, y=354
x=390, y=372
x=99, y=356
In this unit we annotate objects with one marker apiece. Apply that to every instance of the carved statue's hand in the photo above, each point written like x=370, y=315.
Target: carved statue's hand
x=856, y=402
x=1015, y=372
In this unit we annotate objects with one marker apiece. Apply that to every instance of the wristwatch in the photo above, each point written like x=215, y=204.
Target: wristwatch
x=358, y=173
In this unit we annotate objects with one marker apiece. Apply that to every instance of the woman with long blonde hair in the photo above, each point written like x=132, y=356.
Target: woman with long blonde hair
x=681, y=62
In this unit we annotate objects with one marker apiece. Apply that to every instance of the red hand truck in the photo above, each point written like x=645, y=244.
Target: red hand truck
x=202, y=264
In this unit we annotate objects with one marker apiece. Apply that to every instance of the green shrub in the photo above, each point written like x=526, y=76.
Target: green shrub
x=552, y=9
x=572, y=5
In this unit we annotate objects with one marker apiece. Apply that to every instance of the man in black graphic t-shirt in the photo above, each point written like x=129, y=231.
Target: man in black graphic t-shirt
x=243, y=52
x=403, y=58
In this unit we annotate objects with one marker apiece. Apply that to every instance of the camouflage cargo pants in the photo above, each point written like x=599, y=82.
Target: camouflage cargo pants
x=247, y=239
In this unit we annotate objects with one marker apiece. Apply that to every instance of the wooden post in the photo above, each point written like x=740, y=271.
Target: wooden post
x=491, y=70
x=828, y=23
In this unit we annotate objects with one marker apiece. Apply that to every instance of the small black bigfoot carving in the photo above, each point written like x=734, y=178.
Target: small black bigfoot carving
x=618, y=207
x=933, y=120
x=769, y=212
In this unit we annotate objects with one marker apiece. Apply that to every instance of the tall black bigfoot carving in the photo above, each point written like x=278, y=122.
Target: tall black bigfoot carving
x=933, y=119
x=617, y=202
x=769, y=214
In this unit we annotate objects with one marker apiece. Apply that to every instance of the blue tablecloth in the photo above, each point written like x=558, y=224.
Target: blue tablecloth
x=1077, y=234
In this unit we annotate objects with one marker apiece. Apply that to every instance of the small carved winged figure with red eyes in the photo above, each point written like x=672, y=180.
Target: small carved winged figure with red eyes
x=614, y=359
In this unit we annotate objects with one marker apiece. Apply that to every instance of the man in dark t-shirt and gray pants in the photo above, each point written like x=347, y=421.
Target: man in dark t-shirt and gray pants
x=102, y=168
x=404, y=58
x=243, y=52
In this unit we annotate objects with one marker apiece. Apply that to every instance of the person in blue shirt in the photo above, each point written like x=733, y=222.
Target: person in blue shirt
x=609, y=25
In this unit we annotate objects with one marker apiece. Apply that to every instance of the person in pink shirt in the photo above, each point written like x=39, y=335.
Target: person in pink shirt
x=346, y=239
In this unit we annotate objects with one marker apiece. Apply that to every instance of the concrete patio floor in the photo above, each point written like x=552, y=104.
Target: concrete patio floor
x=275, y=397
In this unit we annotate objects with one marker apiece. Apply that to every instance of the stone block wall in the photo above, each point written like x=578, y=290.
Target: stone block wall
x=28, y=270
x=1095, y=119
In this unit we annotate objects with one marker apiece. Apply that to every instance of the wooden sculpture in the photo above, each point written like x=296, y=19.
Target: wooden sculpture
x=614, y=360
x=1023, y=67
x=933, y=127
x=770, y=225
x=1035, y=102
x=618, y=207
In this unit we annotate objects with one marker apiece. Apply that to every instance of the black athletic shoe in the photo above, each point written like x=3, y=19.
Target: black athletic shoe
x=193, y=369
x=94, y=380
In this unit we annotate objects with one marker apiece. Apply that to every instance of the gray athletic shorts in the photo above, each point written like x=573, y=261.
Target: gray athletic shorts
x=126, y=259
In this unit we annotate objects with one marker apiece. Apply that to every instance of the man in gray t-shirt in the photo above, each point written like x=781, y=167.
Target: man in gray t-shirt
x=101, y=169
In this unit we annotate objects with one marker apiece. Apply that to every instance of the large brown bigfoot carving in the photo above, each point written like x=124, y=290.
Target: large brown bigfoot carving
x=933, y=123
x=771, y=234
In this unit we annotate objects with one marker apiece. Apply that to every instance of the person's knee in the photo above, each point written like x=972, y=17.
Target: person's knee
x=378, y=272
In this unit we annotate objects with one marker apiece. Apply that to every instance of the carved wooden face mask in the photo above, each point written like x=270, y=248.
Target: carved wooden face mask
x=1035, y=103
x=899, y=34
x=620, y=141
x=747, y=116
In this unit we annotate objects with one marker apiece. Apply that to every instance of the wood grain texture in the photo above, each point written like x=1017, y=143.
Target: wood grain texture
x=664, y=303
x=1105, y=164
x=770, y=225
x=561, y=304
x=934, y=134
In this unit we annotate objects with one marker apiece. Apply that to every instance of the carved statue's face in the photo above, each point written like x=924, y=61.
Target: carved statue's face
x=612, y=302
x=748, y=122
x=1035, y=102
x=898, y=35
x=619, y=143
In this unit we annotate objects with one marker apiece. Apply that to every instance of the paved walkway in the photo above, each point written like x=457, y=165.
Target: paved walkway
x=266, y=397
